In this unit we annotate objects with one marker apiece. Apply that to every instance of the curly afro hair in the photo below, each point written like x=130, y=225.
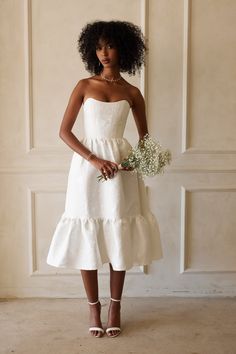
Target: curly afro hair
x=126, y=37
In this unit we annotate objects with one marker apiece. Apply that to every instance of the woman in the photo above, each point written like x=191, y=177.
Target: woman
x=110, y=221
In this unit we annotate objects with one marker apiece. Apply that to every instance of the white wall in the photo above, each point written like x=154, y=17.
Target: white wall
x=189, y=86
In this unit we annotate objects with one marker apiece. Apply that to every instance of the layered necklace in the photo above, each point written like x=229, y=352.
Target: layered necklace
x=110, y=80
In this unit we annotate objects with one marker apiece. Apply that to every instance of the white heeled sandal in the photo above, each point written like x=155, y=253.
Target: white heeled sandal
x=110, y=329
x=99, y=329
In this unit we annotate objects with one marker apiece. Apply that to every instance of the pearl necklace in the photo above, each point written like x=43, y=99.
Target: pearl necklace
x=110, y=80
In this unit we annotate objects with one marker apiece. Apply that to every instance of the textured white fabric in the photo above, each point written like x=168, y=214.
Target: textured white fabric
x=106, y=221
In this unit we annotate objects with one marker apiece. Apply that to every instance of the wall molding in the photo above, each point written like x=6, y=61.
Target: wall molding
x=186, y=148
x=29, y=104
x=186, y=27
x=28, y=75
x=144, y=20
x=183, y=235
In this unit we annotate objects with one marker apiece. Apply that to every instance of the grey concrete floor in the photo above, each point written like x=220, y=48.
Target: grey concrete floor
x=162, y=325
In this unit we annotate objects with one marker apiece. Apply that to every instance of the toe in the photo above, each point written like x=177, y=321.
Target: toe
x=99, y=334
x=94, y=333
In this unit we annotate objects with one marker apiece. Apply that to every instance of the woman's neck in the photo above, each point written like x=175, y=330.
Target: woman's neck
x=111, y=73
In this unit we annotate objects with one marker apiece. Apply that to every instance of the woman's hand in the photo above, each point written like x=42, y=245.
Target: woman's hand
x=125, y=168
x=106, y=167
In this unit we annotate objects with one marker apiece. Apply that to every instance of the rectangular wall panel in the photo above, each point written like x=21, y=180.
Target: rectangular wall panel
x=55, y=62
x=208, y=229
x=212, y=76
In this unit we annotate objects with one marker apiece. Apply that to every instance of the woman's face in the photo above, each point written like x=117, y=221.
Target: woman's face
x=107, y=53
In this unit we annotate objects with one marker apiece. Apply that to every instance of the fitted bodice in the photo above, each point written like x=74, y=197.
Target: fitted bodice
x=105, y=119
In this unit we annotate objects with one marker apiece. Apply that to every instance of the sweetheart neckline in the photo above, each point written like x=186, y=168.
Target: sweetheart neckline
x=91, y=98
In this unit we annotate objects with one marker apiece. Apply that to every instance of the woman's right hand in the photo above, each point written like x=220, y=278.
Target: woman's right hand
x=106, y=167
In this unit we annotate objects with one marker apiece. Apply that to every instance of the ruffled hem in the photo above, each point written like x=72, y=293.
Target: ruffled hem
x=88, y=243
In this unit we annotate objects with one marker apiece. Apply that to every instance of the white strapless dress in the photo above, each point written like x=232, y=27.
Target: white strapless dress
x=106, y=221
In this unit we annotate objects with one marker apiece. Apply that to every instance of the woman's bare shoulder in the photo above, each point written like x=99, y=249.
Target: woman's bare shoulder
x=135, y=93
x=84, y=83
x=81, y=86
x=88, y=80
x=132, y=89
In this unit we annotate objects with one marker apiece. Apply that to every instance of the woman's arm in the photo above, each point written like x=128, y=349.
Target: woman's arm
x=139, y=112
x=108, y=168
x=70, y=115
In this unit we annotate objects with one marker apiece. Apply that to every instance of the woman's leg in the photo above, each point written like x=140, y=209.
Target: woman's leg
x=116, y=287
x=90, y=280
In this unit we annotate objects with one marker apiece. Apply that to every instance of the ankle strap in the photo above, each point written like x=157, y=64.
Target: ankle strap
x=93, y=303
x=115, y=300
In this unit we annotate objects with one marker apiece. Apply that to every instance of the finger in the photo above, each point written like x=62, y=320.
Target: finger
x=115, y=166
x=104, y=173
x=110, y=172
x=111, y=169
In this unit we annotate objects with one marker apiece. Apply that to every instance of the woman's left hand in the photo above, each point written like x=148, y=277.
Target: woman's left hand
x=121, y=168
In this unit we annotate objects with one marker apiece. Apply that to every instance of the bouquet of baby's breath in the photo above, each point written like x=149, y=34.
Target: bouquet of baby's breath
x=147, y=158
